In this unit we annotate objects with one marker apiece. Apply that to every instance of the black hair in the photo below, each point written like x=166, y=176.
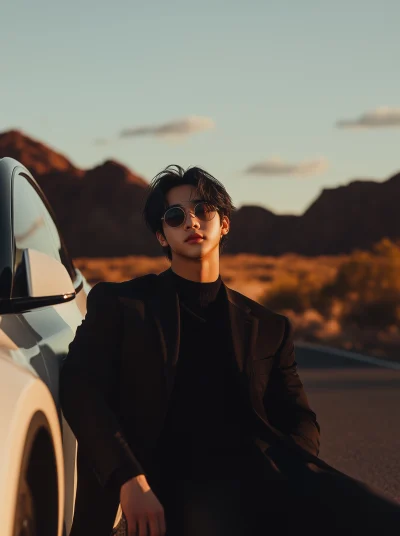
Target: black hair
x=207, y=186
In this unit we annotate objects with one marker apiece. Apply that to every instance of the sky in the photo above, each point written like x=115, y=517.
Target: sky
x=278, y=100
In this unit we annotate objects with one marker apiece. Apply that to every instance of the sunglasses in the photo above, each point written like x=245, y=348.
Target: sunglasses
x=175, y=216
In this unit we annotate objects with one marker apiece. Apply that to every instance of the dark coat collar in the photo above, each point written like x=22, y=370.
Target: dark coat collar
x=167, y=283
x=164, y=303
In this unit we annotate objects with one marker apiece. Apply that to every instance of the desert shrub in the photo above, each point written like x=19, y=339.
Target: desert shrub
x=370, y=275
x=377, y=314
x=367, y=284
x=295, y=291
x=266, y=278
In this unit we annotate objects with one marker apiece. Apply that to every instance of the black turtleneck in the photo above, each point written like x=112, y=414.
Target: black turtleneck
x=196, y=296
x=205, y=416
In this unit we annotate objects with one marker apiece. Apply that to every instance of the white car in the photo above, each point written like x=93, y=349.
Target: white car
x=42, y=302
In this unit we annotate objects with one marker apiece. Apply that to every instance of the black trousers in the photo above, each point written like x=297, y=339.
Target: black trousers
x=251, y=496
x=215, y=504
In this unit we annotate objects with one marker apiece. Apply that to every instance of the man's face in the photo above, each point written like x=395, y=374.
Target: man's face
x=211, y=231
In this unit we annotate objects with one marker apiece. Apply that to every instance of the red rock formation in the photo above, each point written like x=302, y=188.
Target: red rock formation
x=100, y=211
x=36, y=156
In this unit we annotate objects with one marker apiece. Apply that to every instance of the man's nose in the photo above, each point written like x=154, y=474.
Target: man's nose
x=191, y=220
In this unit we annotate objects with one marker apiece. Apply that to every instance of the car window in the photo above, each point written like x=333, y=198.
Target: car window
x=33, y=228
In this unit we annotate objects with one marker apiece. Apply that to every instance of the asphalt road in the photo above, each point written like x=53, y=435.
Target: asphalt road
x=358, y=408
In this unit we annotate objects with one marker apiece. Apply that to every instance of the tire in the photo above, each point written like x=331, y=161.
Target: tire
x=25, y=515
x=36, y=511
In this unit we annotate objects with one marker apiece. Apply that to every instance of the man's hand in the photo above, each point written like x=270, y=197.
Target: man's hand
x=143, y=511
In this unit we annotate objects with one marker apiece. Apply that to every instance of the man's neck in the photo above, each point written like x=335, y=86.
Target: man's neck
x=202, y=272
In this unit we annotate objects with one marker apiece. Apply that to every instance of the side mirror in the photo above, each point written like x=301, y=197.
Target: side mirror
x=46, y=276
x=42, y=282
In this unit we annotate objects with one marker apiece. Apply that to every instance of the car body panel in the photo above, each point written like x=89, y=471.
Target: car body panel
x=25, y=394
x=33, y=345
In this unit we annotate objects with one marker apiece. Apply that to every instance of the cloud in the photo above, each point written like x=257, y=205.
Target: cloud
x=179, y=128
x=275, y=166
x=381, y=117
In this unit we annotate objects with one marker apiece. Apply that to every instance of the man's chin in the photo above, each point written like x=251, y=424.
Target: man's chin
x=196, y=251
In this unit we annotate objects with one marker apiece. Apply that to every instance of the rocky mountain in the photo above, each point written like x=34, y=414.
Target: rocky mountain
x=99, y=211
x=340, y=220
x=40, y=157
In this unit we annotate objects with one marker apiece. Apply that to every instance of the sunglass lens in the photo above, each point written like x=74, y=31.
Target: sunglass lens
x=174, y=217
x=205, y=211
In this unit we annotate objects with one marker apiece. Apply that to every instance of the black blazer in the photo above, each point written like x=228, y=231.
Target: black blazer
x=118, y=376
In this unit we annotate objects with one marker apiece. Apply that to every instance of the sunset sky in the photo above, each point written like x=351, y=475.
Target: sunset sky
x=266, y=96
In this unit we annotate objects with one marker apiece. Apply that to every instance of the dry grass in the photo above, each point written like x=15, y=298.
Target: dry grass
x=311, y=291
x=252, y=275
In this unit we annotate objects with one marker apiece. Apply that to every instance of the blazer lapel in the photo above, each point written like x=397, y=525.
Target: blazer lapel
x=242, y=326
x=243, y=330
x=165, y=308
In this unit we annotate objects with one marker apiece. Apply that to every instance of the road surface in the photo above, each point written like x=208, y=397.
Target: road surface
x=358, y=408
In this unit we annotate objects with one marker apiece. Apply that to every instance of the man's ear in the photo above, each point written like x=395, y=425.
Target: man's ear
x=161, y=238
x=225, y=224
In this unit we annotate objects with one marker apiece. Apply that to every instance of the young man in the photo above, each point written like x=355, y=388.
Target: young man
x=185, y=398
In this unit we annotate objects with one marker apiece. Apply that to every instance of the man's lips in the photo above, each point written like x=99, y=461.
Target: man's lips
x=194, y=238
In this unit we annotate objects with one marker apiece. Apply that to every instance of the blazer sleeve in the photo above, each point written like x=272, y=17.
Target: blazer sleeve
x=88, y=382
x=285, y=401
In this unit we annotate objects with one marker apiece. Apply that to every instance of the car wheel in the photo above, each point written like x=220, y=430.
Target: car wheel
x=36, y=510
x=25, y=519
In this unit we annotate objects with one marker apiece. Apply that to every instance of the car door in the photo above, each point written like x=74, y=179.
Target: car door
x=47, y=331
